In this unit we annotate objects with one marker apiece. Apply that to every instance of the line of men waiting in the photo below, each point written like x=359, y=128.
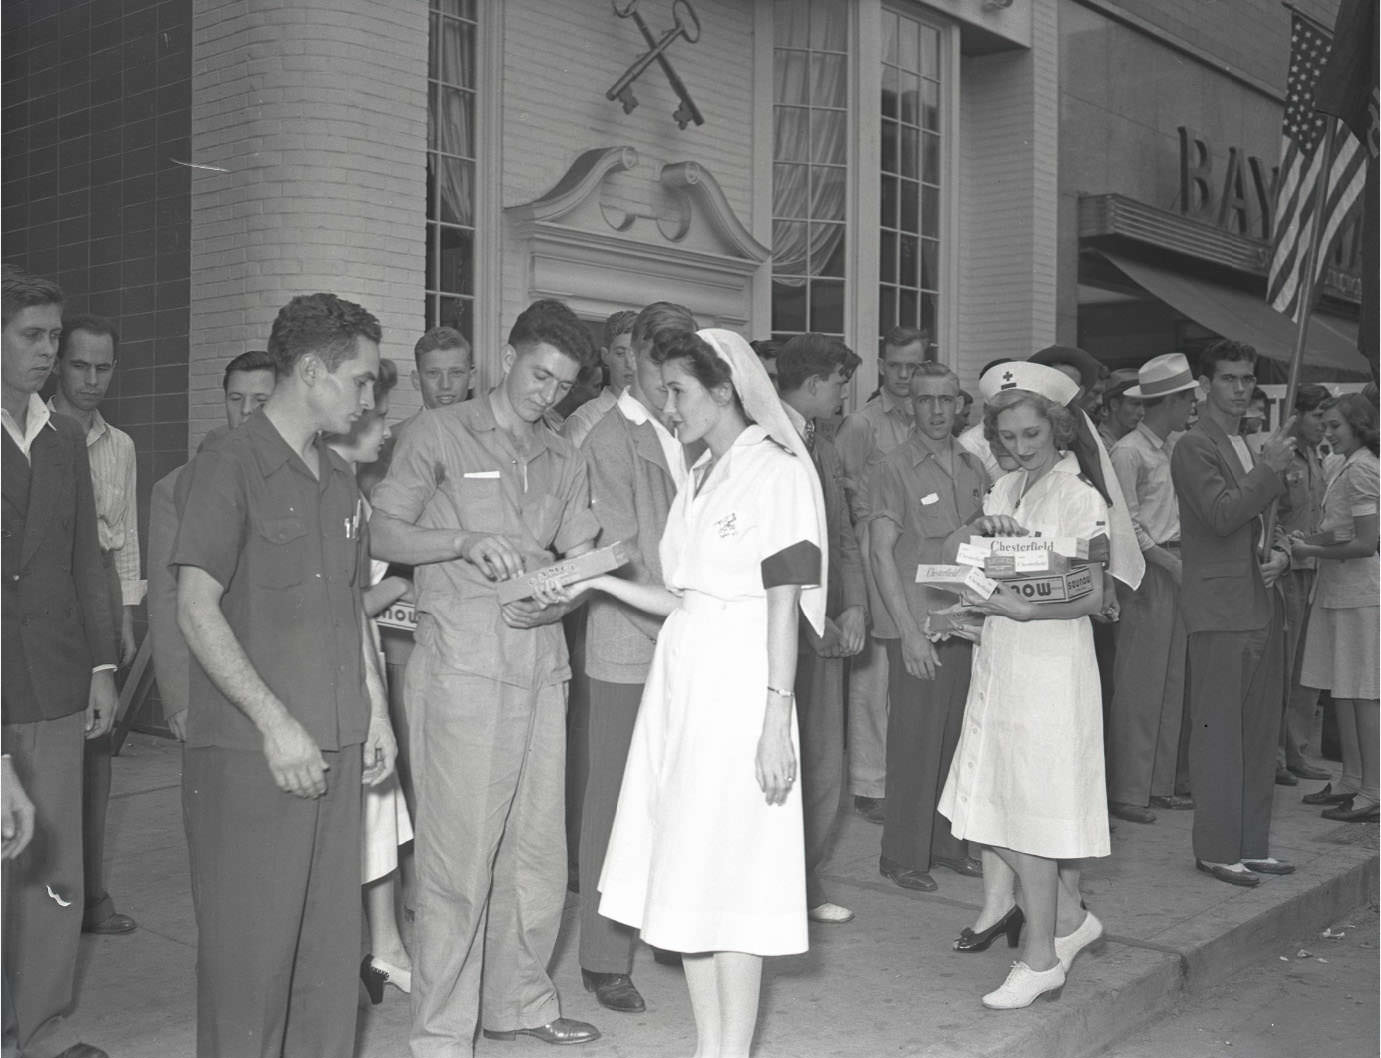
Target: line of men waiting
x=893, y=481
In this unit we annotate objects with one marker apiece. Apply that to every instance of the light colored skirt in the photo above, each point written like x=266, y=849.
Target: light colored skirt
x=1341, y=654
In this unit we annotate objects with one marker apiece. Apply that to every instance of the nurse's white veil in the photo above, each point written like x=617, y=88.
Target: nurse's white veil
x=762, y=406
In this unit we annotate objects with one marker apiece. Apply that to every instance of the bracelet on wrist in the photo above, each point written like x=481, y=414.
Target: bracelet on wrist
x=779, y=692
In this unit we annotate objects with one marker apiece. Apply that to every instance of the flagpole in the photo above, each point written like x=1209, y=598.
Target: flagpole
x=1307, y=302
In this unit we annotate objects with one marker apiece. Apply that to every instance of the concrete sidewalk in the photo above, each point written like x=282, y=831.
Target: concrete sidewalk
x=886, y=984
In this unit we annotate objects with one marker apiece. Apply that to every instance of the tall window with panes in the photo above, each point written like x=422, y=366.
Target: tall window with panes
x=451, y=84
x=814, y=131
x=810, y=166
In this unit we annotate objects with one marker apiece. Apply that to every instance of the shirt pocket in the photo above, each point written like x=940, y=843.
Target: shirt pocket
x=281, y=555
x=481, y=504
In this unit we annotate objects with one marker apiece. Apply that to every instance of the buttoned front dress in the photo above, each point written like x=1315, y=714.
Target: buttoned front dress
x=698, y=861
x=1028, y=772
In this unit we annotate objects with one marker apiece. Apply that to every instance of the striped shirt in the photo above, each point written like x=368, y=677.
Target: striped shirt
x=113, y=476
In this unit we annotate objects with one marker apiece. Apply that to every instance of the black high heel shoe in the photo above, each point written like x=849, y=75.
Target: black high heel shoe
x=1009, y=924
x=373, y=979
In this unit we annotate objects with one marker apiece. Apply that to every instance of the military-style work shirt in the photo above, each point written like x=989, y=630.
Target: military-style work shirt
x=864, y=437
x=911, y=488
x=455, y=469
x=292, y=553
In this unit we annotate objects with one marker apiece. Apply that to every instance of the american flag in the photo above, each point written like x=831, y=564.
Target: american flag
x=1301, y=158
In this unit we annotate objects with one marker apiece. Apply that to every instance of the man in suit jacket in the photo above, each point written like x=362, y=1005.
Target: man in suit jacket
x=636, y=469
x=59, y=649
x=812, y=371
x=1234, y=665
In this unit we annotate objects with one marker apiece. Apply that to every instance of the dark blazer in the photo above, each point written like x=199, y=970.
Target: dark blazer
x=847, y=586
x=56, y=597
x=1220, y=524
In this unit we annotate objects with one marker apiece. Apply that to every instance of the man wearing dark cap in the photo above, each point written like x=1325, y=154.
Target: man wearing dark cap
x=1121, y=412
x=1083, y=367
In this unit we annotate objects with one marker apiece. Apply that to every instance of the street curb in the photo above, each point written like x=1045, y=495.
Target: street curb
x=1137, y=983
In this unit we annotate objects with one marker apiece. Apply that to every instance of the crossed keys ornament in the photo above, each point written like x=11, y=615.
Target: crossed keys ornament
x=685, y=24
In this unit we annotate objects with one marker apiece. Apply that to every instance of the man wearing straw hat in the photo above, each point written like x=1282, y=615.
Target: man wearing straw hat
x=1148, y=699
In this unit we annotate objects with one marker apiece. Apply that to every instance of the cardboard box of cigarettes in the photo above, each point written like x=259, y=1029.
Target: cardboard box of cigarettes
x=1005, y=557
x=567, y=571
x=1054, y=587
x=399, y=615
x=956, y=579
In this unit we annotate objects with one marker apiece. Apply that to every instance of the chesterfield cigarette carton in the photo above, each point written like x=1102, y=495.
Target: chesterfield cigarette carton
x=567, y=571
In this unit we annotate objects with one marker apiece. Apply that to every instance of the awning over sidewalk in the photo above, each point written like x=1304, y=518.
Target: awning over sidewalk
x=1238, y=315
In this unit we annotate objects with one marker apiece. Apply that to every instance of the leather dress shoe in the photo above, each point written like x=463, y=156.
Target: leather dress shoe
x=1271, y=866
x=967, y=865
x=83, y=1050
x=906, y=877
x=615, y=991
x=561, y=1031
x=1327, y=796
x=1308, y=771
x=1131, y=813
x=873, y=809
x=1173, y=803
x=1366, y=812
x=1246, y=879
x=1284, y=777
x=666, y=958
x=111, y=925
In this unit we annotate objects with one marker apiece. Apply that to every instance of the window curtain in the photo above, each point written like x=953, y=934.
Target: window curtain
x=454, y=116
x=793, y=196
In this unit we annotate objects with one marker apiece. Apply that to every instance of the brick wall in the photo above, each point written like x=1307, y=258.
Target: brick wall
x=318, y=112
x=96, y=104
x=1011, y=127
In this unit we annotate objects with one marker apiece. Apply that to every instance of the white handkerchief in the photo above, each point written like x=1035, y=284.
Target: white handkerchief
x=928, y=500
x=482, y=474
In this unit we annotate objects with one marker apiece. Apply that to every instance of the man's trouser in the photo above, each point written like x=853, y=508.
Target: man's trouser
x=1301, y=718
x=96, y=780
x=488, y=761
x=42, y=930
x=820, y=718
x=1234, y=692
x=1148, y=703
x=923, y=727
x=868, y=721
x=606, y=946
x=276, y=888
x=577, y=739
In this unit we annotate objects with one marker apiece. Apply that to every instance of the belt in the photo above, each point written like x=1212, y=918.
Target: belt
x=699, y=602
x=1170, y=545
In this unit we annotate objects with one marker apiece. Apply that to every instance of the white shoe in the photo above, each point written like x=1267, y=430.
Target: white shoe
x=1024, y=986
x=1090, y=931
x=399, y=979
x=833, y=914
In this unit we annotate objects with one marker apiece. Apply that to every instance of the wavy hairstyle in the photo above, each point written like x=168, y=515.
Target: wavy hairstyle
x=1360, y=416
x=1061, y=419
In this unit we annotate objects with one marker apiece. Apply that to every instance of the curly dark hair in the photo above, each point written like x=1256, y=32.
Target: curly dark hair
x=551, y=322
x=1360, y=416
x=323, y=324
x=701, y=360
x=1061, y=419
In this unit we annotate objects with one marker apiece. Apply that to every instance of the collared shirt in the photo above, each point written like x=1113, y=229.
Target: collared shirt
x=914, y=490
x=675, y=452
x=1301, y=508
x=292, y=553
x=1142, y=461
x=114, y=479
x=456, y=469
x=864, y=437
x=35, y=420
x=580, y=422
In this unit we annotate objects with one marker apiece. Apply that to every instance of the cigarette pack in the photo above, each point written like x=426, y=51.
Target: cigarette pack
x=1004, y=567
x=940, y=624
x=956, y=579
x=567, y=571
